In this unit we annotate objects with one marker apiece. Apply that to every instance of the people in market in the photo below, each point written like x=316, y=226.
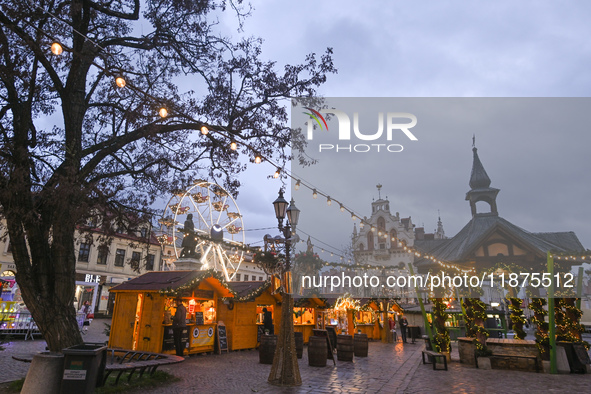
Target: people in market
x=403, y=323
x=268, y=322
x=392, y=325
x=179, y=323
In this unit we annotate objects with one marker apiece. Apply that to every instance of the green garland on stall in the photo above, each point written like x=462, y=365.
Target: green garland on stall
x=517, y=317
x=211, y=273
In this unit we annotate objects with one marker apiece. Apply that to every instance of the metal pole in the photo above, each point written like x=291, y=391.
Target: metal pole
x=425, y=320
x=579, y=287
x=551, y=322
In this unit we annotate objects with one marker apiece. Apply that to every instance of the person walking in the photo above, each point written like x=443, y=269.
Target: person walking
x=179, y=323
x=403, y=327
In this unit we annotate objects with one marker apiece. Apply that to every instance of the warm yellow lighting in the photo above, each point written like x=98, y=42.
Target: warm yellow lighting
x=361, y=224
x=163, y=112
x=276, y=174
x=297, y=185
x=204, y=130
x=258, y=159
x=328, y=201
x=233, y=145
x=56, y=48
x=342, y=208
x=353, y=217
x=314, y=194
x=119, y=81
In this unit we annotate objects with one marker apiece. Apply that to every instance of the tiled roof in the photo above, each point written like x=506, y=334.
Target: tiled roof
x=481, y=226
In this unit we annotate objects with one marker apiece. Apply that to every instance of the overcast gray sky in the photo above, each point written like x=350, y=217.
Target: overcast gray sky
x=446, y=49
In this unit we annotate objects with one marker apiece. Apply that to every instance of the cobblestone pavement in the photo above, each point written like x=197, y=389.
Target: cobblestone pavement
x=390, y=368
x=11, y=370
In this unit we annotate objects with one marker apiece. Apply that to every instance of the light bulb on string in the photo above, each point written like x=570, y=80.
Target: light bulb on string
x=56, y=48
x=233, y=145
x=342, y=208
x=163, y=112
x=204, y=130
x=361, y=224
x=120, y=81
x=314, y=194
x=353, y=217
x=328, y=201
x=276, y=174
x=258, y=159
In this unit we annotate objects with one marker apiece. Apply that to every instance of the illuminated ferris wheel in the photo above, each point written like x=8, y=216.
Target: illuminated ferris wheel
x=204, y=224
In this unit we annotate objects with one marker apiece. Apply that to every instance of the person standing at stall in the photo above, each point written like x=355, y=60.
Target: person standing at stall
x=268, y=322
x=179, y=323
x=403, y=323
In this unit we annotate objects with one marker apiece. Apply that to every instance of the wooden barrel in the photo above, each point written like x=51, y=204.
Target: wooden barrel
x=317, y=351
x=345, y=347
x=299, y=343
x=267, y=349
x=360, y=345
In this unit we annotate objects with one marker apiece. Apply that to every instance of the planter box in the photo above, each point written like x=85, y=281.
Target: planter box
x=466, y=349
x=484, y=363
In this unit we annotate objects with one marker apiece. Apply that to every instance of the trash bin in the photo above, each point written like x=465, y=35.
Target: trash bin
x=84, y=367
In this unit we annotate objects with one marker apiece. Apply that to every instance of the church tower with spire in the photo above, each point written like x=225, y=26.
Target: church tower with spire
x=480, y=189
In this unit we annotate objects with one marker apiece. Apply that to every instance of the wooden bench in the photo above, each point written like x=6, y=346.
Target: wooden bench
x=123, y=360
x=432, y=357
x=136, y=361
x=531, y=357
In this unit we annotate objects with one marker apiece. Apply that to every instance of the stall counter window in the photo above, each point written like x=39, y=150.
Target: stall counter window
x=200, y=319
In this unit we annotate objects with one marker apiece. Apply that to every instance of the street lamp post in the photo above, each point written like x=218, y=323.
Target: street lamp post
x=285, y=370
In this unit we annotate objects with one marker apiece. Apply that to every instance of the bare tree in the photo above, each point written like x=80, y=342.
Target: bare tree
x=73, y=140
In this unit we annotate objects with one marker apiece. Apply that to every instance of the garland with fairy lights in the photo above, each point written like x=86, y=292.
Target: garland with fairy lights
x=211, y=273
x=567, y=317
x=537, y=305
x=441, y=338
x=475, y=314
x=517, y=318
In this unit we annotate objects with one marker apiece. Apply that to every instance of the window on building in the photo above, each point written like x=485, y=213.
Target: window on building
x=260, y=278
x=381, y=224
x=246, y=278
x=382, y=246
x=135, y=260
x=370, y=240
x=9, y=247
x=84, y=252
x=144, y=232
x=119, y=257
x=150, y=262
x=361, y=247
x=103, y=253
x=238, y=277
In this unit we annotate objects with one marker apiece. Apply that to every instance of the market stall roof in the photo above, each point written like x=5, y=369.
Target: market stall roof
x=310, y=302
x=171, y=282
x=248, y=291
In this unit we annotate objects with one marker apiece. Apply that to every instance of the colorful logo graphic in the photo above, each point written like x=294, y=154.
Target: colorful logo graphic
x=315, y=115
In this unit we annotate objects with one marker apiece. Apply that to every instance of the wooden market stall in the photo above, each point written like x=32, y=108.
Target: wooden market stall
x=144, y=307
x=308, y=315
x=243, y=314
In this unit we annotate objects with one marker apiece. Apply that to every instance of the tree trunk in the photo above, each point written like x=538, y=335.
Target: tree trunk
x=285, y=370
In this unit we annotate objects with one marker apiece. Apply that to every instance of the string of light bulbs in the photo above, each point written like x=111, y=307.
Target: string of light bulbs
x=57, y=49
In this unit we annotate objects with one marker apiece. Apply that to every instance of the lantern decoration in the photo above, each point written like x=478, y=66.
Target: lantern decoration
x=56, y=48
